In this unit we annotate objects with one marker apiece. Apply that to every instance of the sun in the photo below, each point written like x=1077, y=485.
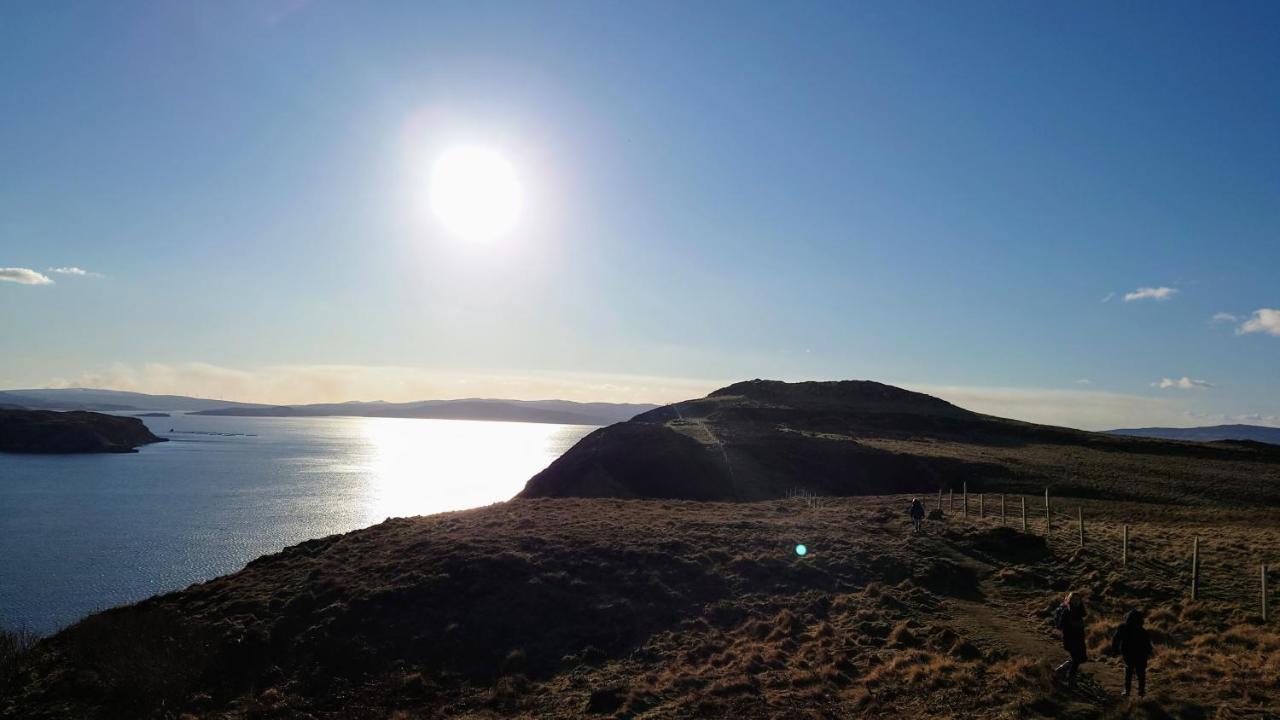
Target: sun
x=475, y=193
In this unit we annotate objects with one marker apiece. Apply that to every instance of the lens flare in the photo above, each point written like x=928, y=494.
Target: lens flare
x=801, y=550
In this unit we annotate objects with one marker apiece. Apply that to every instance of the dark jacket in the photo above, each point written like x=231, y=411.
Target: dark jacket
x=917, y=509
x=1132, y=641
x=1073, y=631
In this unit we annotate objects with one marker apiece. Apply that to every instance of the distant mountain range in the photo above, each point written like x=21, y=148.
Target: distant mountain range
x=544, y=411
x=106, y=400
x=540, y=411
x=1211, y=433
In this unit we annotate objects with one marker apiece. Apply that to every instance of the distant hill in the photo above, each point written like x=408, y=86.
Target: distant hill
x=106, y=400
x=45, y=431
x=539, y=411
x=563, y=412
x=1209, y=433
x=762, y=439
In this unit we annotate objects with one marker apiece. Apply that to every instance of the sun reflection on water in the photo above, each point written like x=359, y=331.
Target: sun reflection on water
x=419, y=467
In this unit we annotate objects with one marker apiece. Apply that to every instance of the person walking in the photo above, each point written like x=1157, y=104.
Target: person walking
x=1133, y=643
x=1069, y=618
x=917, y=514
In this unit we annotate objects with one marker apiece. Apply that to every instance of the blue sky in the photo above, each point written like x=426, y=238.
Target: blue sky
x=935, y=195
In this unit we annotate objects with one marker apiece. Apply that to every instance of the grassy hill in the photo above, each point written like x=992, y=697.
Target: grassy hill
x=660, y=607
x=762, y=439
x=675, y=609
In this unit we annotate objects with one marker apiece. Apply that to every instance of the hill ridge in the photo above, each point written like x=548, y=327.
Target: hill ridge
x=760, y=439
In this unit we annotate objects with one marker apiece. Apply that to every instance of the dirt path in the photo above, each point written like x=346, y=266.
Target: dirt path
x=996, y=623
x=704, y=435
x=996, y=619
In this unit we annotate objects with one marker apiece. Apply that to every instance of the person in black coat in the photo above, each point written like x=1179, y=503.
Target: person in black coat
x=1133, y=643
x=1069, y=618
x=917, y=513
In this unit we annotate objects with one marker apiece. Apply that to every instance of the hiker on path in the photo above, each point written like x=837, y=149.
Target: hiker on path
x=1133, y=643
x=1069, y=618
x=917, y=514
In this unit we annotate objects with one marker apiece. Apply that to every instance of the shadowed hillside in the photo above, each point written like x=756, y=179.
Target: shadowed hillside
x=761, y=439
x=673, y=609
x=45, y=431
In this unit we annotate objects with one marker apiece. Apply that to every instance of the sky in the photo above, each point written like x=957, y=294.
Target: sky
x=1065, y=212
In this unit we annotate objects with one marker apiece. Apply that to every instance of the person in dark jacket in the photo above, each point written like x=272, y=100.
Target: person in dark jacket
x=1133, y=643
x=917, y=513
x=1069, y=618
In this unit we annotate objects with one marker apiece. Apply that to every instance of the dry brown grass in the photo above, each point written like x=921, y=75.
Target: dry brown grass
x=15, y=651
x=1136, y=469
x=666, y=609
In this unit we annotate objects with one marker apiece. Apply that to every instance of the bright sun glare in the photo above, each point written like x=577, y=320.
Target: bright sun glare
x=475, y=193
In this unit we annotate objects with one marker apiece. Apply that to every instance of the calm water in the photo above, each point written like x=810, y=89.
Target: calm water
x=80, y=533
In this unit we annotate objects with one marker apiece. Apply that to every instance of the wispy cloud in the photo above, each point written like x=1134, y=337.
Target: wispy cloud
x=73, y=270
x=1182, y=383
x=298, y=384
x=1086, y=409
x=1107, y=298
x=1084, y=381
x=1224, y=317
x=279, y=11
x=1264, y=320
x=1151, y=293
x=1202, y=418
x=295, y=384
x=24, y=276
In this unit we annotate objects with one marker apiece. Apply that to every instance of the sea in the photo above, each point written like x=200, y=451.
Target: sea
x=81, y=533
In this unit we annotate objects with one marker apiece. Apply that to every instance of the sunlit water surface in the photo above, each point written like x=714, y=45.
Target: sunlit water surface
x=80, y=533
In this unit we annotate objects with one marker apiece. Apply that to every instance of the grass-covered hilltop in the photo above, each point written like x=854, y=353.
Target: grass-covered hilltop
x=623, y=584
x=761, y=439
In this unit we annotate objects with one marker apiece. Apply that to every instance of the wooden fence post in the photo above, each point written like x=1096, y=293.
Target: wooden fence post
x=1264, y=593
x=1124, y=548
x=965, y=490
x=951, y=499
x=1023, y=498
x=1195, y=567
x=1080, y=523
x=982, y=505
x=1048, y=520
x=1002, y=508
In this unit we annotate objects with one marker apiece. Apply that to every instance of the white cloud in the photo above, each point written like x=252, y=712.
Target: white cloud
x=1084, y=381
x=1182, y=383
x=1108, y=296
x=1224, y=317
x=1264, y=320
x=73, y=270
x=1150, y=293
x=24, y=276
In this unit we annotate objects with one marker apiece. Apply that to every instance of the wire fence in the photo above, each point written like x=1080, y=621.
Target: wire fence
x=1217, y=568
